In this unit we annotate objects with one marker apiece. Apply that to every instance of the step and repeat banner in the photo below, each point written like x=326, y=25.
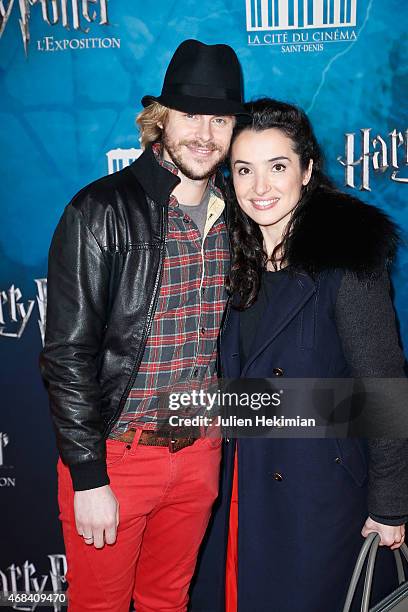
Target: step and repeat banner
x=72, y=73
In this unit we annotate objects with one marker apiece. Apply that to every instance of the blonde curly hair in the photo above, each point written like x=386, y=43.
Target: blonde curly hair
x=147, y=121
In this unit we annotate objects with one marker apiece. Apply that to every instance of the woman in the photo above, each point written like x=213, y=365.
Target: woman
x=310, y=293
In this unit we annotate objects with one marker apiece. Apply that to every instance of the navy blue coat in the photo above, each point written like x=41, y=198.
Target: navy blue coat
x=302, y=502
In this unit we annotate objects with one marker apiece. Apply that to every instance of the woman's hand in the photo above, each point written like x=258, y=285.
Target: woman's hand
x=392, y=536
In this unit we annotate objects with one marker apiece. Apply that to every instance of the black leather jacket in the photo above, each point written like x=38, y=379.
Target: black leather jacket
x=104, y=276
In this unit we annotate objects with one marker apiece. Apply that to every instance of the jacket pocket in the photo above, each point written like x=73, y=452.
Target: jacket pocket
x=353, y=459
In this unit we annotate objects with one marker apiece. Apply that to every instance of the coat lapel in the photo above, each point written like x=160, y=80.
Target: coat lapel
x=292, y=293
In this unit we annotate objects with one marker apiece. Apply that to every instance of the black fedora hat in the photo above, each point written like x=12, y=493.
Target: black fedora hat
x=202, y=79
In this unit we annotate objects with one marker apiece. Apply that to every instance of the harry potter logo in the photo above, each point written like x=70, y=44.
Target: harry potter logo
x=379, y=154
x=26, y=579
x=71, y=14
x=15, y=314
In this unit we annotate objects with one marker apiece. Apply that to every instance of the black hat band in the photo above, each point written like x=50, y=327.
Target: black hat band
x=203, y=91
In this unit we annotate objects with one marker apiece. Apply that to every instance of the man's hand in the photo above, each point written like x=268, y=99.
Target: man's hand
x=96, y=515
x=390, y=536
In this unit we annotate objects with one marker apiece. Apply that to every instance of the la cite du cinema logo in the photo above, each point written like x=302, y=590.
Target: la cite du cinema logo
x=314, y=22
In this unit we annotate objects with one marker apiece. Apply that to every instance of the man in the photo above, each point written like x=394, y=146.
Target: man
x=135, y=301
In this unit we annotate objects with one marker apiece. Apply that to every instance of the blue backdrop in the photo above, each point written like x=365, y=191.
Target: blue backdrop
x=72, y=75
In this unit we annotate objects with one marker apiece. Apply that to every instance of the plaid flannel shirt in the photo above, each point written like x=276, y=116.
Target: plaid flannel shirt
x=180, y=352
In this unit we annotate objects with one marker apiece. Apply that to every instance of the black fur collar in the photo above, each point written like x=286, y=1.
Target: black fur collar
x=338, y=231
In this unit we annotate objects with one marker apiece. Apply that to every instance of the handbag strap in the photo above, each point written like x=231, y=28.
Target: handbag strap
x=370, y=547
x=365, y=601
x=400, y=569
x=358, y=569
x=398, y=561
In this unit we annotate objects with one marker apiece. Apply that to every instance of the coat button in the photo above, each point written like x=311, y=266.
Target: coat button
x=337, y=460
x=278, y=371
x=278, y=477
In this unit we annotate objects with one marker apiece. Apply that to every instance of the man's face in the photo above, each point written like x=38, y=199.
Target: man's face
x=196, y=144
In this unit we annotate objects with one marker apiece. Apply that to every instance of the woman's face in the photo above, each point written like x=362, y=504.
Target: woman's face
x=267, y=176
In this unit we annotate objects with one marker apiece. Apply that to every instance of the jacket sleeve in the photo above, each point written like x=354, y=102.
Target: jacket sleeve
x=366, y=323
x=77, y=289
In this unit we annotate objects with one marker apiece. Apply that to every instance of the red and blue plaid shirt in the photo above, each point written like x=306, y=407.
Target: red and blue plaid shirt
x=180, y=352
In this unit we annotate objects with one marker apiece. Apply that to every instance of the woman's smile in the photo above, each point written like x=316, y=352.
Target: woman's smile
x=264, y=204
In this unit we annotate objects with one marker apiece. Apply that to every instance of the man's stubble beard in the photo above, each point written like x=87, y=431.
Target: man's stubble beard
x=189, y=172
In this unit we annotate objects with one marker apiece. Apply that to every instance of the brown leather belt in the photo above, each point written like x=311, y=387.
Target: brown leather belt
x=172, y=440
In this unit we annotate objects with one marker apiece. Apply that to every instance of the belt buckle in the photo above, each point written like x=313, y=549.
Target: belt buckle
x=177, y=444
x=174, y=444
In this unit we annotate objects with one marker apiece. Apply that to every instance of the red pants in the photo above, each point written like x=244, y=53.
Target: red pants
x=165, y=502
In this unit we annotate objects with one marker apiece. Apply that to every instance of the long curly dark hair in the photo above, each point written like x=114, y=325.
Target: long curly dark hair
x=248, y=256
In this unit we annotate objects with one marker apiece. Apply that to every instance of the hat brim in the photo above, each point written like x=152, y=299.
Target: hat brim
x=201, y=106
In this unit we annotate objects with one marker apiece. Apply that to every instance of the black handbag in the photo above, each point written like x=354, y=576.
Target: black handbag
x=397, y=601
